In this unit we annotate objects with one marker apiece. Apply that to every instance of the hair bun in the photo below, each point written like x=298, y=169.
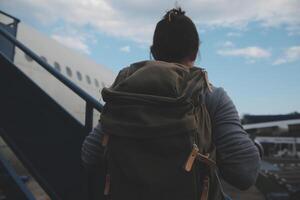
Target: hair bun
x=174, y=12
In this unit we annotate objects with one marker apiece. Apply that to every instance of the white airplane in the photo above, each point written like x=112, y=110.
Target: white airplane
x=80, y=69
x=91, y=77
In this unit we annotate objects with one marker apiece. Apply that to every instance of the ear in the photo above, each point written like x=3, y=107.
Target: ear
x=153, y=52
x=193, y=56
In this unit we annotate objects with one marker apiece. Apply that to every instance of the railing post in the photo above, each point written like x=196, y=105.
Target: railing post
x=89, y=116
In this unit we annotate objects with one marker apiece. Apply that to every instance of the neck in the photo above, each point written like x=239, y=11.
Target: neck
x=187, y=63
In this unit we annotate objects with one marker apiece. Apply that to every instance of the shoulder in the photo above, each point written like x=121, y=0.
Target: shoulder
x=216, y=93
x=123, y=73
x=213, y=98
x=126, y=71
x=217, y=102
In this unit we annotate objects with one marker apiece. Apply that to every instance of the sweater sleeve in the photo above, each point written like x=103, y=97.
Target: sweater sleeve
x=238, y=158
x=92, y=149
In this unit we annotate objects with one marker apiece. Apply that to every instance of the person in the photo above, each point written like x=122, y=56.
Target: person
x=176, y=41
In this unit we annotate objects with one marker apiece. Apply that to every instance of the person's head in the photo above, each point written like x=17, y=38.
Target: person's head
x=175, y=38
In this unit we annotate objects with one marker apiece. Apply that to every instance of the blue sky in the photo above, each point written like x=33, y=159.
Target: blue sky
x=250, y=48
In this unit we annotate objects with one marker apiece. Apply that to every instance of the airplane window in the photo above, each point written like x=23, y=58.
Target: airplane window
x=96, y=83
x=69, y=72
x=44, y=59
x=57, y=66
x=28, y=58
x=88, y=79
x=79, y=76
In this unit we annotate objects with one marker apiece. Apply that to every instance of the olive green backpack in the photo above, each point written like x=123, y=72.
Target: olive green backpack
x=158, y=135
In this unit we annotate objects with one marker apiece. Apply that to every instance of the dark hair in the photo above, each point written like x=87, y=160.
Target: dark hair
x=175, y=37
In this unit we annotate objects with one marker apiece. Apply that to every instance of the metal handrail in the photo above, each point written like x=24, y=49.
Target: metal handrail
x=8, y=15
x=91, y=102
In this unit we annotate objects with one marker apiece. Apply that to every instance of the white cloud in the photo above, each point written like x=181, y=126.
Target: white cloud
x=73, y=42
x=125, y=49
x=228, y=44
x=233, y=34
x=135, y=19
x=251, y=61
x=248, y=52
x=291, y=54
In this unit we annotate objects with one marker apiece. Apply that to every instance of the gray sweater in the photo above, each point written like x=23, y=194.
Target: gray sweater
x=238, y=158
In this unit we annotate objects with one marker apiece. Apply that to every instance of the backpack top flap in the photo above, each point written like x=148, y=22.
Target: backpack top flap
x=152, y=99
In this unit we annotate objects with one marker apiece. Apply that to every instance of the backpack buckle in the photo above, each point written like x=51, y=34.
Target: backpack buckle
x=205, y=159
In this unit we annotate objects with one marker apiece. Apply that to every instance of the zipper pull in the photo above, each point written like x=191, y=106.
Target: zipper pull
x=190, y=161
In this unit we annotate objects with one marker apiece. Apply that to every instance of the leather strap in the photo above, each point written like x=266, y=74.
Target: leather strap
x=205, y=188
x=105, y=139
x=107, y=185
